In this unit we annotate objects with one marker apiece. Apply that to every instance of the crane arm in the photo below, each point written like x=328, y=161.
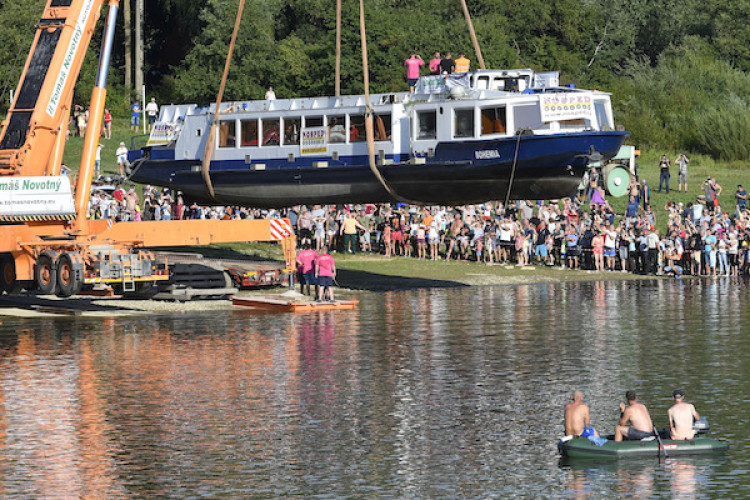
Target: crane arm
x=36, y=124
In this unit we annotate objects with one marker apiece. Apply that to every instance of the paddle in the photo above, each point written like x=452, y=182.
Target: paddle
x=661, y=445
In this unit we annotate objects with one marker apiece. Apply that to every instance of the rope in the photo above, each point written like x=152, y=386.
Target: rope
x=473, y=34
x=369, y=128
x=212, y=132
x=513, y=170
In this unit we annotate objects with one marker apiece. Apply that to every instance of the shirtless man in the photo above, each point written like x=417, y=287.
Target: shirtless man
x=681, y=417
x=456, y=226
x=577, y=422
x=637, y=415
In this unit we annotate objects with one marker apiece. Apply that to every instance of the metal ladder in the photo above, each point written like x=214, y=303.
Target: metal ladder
x=128, y=283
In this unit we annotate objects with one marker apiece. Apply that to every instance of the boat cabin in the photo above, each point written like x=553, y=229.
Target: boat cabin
x=319, y=132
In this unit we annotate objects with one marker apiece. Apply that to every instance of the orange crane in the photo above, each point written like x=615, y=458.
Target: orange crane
x=47, y=241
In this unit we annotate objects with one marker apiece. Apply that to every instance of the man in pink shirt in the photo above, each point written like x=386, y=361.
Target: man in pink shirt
x=435, y=64
x=305, y=268
x=412, y=69
x=325, y=273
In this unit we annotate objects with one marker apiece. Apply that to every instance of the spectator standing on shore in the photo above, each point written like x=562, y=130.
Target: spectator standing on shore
x=270, y=94
x=413, y=64
x=152, y=110
x=711, y=190
x=349, y=230
x=682, y=172
x=664, y=172
x=98, y=159
x=447, y=65
x=435, y=64
x=741, y=196
x=81, y=123
x=107, y=124
x=135, y=116
x=645, y=193
x=122, y=156
x=462, y=64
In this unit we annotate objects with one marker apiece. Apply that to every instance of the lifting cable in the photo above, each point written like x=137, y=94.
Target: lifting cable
x=212, y=130
x=473, y=34
x=369, y=128
x=512, y=171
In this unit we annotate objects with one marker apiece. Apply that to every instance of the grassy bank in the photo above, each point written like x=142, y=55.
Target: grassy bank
x=728, y=175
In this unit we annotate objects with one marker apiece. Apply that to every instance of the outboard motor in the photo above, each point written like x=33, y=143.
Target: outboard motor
x=700, y=426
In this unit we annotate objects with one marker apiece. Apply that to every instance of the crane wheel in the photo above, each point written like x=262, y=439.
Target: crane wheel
x=8, y=281
x=69, y=279
x=45, y=273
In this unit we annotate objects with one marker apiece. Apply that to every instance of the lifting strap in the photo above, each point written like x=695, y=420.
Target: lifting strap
x=369, y=127
x=212, y=130
x=473, y=35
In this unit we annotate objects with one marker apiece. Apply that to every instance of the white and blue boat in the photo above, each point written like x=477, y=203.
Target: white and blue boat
x=485, y=135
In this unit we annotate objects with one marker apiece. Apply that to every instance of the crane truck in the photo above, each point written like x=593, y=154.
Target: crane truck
x=47, y=241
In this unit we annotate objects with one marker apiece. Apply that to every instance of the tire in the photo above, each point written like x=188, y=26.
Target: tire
x=69, y=280
x=8, y=281
x=45, y=274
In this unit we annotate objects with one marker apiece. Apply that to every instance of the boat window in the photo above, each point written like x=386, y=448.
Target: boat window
x=383, y=127
x=575, y=124
x=527, y=117
x=313, y=121
x=357, y=128
x=463, y=125
x=600, y=108
x=494, y=120
x=249, y=130
x=483, y=82
x=271, y=132
x=292, y=127
x=337, y=128
x=227, y=134
x=426, y=124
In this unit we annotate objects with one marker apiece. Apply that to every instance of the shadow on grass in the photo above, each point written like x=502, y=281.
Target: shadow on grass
x=374, y=282
x=68, y=306
x=218, y=253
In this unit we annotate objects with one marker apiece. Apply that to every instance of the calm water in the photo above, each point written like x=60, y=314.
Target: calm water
x=449, y=393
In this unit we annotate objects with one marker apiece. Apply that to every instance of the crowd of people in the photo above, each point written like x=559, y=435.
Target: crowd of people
x=582, y=232
x=700, y=239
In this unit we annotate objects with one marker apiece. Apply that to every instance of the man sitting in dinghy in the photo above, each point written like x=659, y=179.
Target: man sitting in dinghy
x=577, y=420
x=637, y=416
x=681, y=417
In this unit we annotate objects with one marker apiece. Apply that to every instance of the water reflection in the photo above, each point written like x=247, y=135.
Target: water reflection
x=428, y=393
x=683, y=477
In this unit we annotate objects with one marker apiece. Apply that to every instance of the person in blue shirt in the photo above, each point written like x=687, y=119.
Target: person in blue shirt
x=572, y=250
x=135, y=116
x=741, y=197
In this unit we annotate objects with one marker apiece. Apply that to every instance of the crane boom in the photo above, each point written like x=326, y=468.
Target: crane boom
x=54, y=247
x=37, y=118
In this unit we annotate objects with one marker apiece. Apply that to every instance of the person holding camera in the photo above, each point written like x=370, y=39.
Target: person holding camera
x=712, y=191
x=682, y=165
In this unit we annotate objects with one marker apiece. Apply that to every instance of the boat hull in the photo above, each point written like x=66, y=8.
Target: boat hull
x=583, y=448
x=544, y=167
